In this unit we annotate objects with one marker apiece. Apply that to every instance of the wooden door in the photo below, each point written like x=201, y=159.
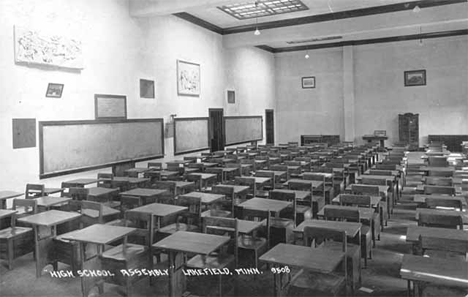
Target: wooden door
x=270, y=126
x=216, y=120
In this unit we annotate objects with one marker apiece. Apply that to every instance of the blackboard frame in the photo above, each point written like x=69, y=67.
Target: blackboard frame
x=243, y=117
x=43, y=124
x=194, y=150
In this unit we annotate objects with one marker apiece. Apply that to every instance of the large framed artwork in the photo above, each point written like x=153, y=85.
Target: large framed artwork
x=37, y=48
x=415, y=78
x=188, y=79
x=110, y=107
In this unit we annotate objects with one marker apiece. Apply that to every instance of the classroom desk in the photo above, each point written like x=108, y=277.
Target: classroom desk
x=278, y=174
x=413, y=233
x=374, y=201
x=101, y=194
x=46, y=202
x=147, y=196
x=314, y=183
x=383, y=190
x=100, y=235
x=159, y=211
x=261, y=181
x=181, y=186
x=205, y=178
x=178, y=245
x=392, y=182
x=463, y=215
x=81, y=182
x=206, y=198
x=4, y=195
x=438, y=271
x=265, y=204
x=364, y=212
x=319, y=260
x=44, y=225
x=421, y=198
x=246, y=227
x=238, y=190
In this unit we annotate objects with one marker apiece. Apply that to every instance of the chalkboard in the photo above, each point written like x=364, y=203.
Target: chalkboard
x=243, y=129
x=73, y=146
x=190, y=135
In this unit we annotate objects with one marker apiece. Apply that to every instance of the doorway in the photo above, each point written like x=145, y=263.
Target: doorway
x=216, y=123
x=270, y=126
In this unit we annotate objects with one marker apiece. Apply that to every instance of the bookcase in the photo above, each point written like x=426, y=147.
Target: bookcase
x=408, y=128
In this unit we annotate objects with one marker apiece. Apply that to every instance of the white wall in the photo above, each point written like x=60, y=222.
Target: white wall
x=379, y=91
x=118, y=51
x=309, y=111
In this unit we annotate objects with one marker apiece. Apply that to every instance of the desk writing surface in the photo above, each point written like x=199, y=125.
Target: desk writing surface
x=350, y=228
x=49, y=218
x=48, y=201
x=265, y=204
x=98, y=191
x=98, y=234
x=6, y=213
x=204, y=176
x=246, y=227
x=314, y=183
x=206, y=198
x=9, y=194
x=413, y=233
x=142, y=192
x=191, y=242
x=159, y=209
x=321, y=260
x=183, y=184
x=435, y=270
x=364, y=213
x=300, y=195
x=374, y=200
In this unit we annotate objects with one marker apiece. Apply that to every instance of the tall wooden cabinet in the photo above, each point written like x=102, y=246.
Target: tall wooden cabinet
x=408, y=127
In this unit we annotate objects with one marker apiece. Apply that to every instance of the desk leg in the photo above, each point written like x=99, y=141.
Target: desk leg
x=281, y=281
x=177, y=281
x=87, y=283
x=43, y=243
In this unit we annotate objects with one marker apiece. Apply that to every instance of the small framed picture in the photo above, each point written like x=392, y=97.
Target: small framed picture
x=308, y=82
x=146, y=88
x=54, y=90
x=231, y=96
x=415, y=78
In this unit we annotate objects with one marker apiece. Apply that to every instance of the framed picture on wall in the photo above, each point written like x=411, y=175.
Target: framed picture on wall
x=54, y=90
x=146, y=88
x=308, y=82
x=188, y=79
x=415, y=78
x=110, y=107
x=231, y=96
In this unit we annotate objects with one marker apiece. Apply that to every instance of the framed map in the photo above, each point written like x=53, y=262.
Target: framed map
x=188, y=79
x=33, y=47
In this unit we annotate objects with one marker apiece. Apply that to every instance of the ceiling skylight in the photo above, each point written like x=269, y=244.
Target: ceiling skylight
x=261, y=8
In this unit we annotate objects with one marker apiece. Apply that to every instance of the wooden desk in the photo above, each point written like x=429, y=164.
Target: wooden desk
x=315, y=183
x=206, y=198
x=205, y=178
x=261, y=181
x=238, y=190
x=81, y=182
x=383, y=190
x=364, y=213
x=44, y=225
x=463, y=215
x=319, y=260
x=46, y=202
x=265, y=204
x=181, y=243
x=133, y=181
x=137, y=170
x=4, y=195
x=374, y=200
x=182, y=185
x=159, y=211
x=100, y=235
x=278, y=174
x=438, y=271
x=421, y=198
x=316, y=202
x=352, y=229
x=101, y=194
x=413, y=233
x=246, y=227
x=146, y=195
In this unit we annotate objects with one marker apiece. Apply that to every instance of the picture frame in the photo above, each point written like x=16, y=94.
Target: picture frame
x=415, y=78
x=308, y=82
x=188, y=79
x=231, y=96
x=54, y=90
x=110, y=107
x=147, y=88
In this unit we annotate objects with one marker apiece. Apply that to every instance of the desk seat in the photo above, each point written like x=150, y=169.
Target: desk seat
x=10, y=232
x=15, y=242
x=131, y=250
x=213, y=261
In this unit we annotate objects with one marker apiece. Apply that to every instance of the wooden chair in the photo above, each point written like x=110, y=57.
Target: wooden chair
x=455, y=204
x=440, y=221
x=131, y=255
x=364, y=201
x=188, y=221
x=34, y=191
x=264, y=192
x=24, y=207
x=447, y=248
x=197, y=179
x=351, y=215
x=15, y=241
x=78, y=194
x=226, y=256
x=326, y=283
x=258, y=241
x=439, y=190
x=105, y=180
